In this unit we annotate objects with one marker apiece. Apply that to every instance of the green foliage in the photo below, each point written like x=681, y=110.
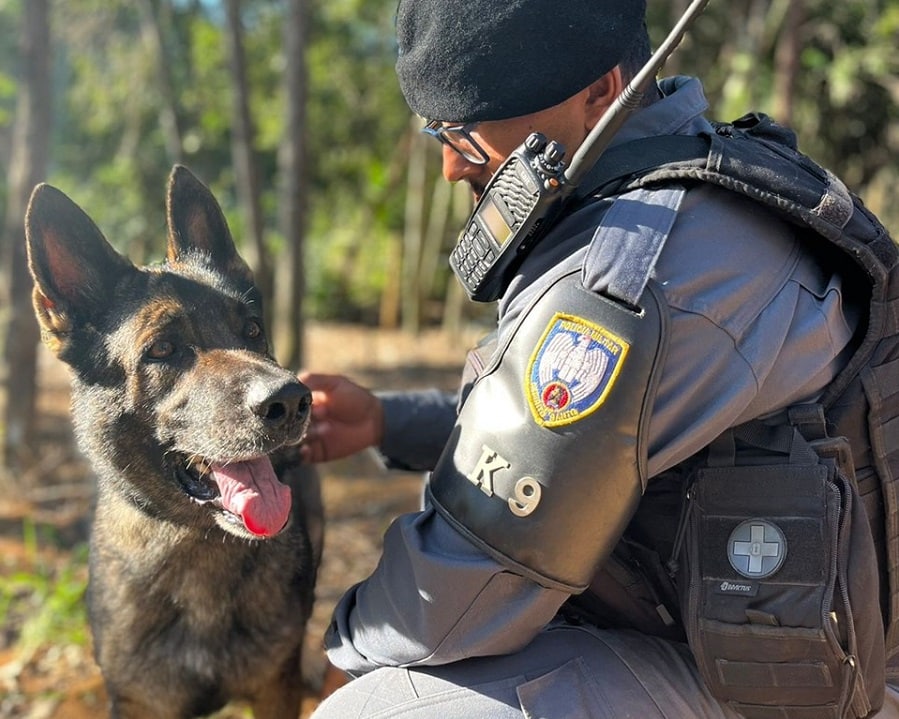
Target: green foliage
x=109, y=150
x=354, y=97
x=349, y=269
x=43, y=602
x=9, y=16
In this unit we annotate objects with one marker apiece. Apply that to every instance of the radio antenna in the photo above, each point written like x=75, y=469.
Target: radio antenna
x=629, y=100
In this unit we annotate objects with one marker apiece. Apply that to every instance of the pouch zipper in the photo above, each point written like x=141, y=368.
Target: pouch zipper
x=686, y=510
x=856, y=700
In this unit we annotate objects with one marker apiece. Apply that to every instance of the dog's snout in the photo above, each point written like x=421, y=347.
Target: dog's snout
x=288, y=403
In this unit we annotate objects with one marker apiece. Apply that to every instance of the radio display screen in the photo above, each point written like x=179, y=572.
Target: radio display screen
x=493, y=220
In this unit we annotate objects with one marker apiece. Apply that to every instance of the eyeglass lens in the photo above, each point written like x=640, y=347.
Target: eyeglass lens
x=459, y=138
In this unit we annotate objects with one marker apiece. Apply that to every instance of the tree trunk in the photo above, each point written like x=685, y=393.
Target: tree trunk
x=786, y=62
x=673, y=65
x=27, y=166
x=413, y=231
x=293, y=170
x=456, y=299
x=389, y=305
x=152, y=32
x=748, y=32
x=433, y=241
x=243, y=134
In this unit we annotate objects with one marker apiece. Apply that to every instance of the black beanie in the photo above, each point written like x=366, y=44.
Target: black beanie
x=475, y=60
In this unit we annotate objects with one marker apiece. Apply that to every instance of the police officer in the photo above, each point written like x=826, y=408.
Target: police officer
x=535, y=581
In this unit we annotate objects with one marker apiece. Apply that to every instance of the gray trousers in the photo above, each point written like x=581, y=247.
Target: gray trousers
x=567, y=672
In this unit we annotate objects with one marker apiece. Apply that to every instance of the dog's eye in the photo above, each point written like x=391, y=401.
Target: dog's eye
x=160, y=349
x=252, y=330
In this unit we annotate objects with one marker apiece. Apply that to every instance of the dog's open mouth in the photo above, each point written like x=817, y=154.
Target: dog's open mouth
x=247, y=492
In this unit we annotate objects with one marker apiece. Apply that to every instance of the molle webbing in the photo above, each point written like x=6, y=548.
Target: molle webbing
x=867, y=413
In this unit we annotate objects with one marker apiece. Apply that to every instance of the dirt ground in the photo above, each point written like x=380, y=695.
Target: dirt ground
x=43, y=528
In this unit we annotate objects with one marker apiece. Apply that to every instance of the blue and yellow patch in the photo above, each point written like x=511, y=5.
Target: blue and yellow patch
x=572, y=370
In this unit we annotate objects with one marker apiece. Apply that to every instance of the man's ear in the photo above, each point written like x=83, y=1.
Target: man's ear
x=601, y=94
x=74, y=268
x=196, y=224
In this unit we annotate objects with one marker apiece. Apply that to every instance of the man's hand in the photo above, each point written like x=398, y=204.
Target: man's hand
x=346, y=418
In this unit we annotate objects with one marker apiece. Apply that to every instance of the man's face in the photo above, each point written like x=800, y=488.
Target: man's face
x=565, y=123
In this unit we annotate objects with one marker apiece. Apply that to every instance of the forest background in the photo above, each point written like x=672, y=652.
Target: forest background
x=290, y=111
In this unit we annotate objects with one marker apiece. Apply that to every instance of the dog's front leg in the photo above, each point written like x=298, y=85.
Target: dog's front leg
x=282, y=696
x=124, y=708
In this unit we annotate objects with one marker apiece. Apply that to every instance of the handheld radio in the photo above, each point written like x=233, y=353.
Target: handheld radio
x=528, y=191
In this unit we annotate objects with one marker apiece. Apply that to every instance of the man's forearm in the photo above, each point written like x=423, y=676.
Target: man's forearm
x=416, y=427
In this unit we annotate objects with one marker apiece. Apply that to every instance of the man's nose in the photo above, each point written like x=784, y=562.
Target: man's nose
x=456, y=167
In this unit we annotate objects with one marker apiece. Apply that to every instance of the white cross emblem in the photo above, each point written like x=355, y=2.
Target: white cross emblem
x=756, y=548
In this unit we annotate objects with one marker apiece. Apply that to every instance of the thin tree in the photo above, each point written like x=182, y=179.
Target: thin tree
x=243, y=133
x=413, y=231
x=27, y=166
x=293, y=162
x=787, y=61
x=154, y=36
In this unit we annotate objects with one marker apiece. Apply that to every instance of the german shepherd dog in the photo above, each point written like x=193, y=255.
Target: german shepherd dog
x=202, y=561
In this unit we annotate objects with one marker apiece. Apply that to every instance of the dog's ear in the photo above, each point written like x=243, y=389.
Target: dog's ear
x=73, y=267
x=196, y=223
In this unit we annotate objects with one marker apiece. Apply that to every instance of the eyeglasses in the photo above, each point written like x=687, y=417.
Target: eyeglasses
x=459, y=138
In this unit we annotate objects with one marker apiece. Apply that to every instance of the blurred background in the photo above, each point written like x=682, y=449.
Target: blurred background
x=289, y=110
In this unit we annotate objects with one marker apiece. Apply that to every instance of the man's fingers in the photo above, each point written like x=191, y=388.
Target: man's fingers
x=317, y=431
x=319, y=381
x=319, y=406
x=313, y=451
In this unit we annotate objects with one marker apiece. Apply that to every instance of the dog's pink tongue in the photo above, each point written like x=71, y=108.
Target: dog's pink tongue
x=252, y=492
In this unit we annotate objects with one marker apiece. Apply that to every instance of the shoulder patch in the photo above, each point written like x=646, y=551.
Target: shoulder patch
x=572, y=370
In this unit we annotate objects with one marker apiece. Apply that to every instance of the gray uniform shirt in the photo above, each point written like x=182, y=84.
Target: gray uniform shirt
x=756, y=324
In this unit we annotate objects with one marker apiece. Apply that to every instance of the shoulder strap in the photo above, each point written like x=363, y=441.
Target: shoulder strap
x=748, y=158
x=626, y=244
x=637, y=157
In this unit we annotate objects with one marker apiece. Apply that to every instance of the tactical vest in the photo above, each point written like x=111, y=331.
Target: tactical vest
x=834, y=457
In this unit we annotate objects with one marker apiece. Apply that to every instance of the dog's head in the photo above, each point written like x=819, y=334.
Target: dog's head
x=176, y=397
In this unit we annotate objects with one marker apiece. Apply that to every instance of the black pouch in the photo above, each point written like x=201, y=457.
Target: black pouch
x=778, y=584
x=632, y=590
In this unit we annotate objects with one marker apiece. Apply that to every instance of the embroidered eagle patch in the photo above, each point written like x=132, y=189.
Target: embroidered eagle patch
x=572, y=370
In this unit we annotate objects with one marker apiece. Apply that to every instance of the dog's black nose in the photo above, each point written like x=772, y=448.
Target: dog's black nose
x=290, y=402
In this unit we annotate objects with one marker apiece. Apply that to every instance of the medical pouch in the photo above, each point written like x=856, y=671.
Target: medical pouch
x=774, y=575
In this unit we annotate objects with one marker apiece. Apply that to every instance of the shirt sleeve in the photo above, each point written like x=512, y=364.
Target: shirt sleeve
x=433, y=599
x=416, y=426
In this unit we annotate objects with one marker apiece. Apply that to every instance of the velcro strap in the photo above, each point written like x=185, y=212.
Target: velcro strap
x=624, y=249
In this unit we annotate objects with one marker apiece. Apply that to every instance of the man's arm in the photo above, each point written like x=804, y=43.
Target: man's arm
x=416, y=426
x=434, y=598
x=742, y=343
